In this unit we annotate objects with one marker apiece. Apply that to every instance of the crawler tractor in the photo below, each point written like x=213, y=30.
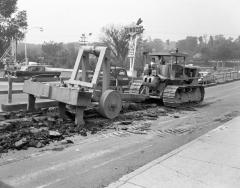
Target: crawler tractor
x=168, y=78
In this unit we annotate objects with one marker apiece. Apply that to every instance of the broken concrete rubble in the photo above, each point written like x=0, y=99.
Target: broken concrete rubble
x=54, y=134
x=19, y=144
x=4, y=116
x=39, y=128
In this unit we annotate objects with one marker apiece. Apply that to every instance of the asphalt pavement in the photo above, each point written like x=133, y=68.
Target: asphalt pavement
x=98, y=160
x=210, y=161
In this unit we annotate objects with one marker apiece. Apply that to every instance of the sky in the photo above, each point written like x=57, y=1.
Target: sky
x=66, y=21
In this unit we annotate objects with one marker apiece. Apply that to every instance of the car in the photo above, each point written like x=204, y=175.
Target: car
x=31, y=70
x=206, y=78
x=118, y=78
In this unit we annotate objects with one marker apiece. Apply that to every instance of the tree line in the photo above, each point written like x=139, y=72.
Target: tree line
x=211, y=48
x=201, y=48
x=115, y=37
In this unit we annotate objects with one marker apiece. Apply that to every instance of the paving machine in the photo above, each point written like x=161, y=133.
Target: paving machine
x=86, y=92
x=168, y=78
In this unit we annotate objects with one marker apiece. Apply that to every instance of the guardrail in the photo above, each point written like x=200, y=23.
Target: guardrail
x=219, y=78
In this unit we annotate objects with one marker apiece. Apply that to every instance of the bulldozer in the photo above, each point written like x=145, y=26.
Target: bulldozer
x=167, y=77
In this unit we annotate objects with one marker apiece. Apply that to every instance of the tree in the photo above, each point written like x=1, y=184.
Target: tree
x=200, y=39
x=210, y=42
x=72, y=54
x=116, y=39
x=59, y=54
x=52, y=52
x=154, y=45
x=12, y=23
x=51, y=48
x=189, y=45
x=8, y=7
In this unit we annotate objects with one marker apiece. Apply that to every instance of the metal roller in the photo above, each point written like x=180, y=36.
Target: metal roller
x=110, y=104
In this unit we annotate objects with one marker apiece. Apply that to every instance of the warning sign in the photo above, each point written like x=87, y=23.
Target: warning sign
x=131, y=49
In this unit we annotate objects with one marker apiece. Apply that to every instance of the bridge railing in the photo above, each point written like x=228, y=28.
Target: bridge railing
x=218, y=78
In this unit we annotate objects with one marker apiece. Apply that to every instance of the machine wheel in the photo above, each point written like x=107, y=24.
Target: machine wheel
x=110, y=104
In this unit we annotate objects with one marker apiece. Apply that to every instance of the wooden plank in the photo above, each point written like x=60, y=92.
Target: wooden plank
x=70, y=96
x=101, y=59
x=106, y=75
x=85, y=63
x=98, y=66
x=36, y=88
x=80, y=83
x=31, y=103
x=77, y=65
x=133, y=97
x=79, y=116
x=62, y=109
x=96, y=50
x=66, y=95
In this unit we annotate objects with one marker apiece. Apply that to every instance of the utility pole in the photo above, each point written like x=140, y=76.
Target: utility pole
x=83, y=39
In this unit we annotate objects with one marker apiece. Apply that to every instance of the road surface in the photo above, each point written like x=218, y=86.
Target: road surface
x=4, y=85
x=98, y=160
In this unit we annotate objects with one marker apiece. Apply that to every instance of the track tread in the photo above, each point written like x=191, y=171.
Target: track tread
x=169, y=96
x=135, y=86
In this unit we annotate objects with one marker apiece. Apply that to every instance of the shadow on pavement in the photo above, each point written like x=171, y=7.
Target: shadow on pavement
x=3, y=185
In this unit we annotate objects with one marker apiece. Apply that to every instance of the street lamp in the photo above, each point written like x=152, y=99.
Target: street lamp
x=25, y=43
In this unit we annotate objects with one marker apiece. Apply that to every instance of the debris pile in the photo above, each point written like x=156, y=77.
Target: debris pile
x=35, y=131
x=20, y=130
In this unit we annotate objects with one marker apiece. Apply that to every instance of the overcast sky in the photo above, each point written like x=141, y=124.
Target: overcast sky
x=66, y=20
